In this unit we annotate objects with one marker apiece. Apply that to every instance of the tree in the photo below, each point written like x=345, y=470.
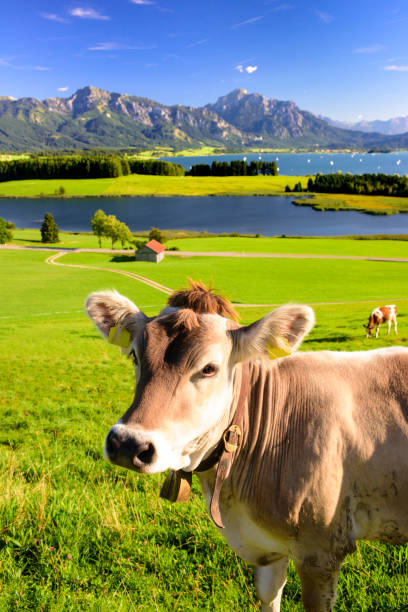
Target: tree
x=5, y=233
x=98, y=223
x=49, y=229
x=112, y=229
x=125, y=235
x=156, y=234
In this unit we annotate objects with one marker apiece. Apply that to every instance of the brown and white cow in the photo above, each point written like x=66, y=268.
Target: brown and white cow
x=323, y=456
x=382, y=314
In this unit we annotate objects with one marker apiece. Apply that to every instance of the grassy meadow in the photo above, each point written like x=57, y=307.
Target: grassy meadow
x=68, y=240
x=295, y=246
x=374, y=205
x=145, y=185
x=79, y=534
x=186, y=241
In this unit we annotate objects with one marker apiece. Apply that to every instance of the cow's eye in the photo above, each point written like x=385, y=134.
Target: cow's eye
x=133, y=357
x=209, y=370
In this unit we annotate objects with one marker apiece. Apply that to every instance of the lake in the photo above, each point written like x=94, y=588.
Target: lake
x=266, y=215
x=294, y=164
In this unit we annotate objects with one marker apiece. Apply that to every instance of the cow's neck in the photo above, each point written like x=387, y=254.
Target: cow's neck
x=264, y=425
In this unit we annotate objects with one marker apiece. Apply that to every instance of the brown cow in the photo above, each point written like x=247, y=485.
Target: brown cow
x=322, y=457
x=383, y=314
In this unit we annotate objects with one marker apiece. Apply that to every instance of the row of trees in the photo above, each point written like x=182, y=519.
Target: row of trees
x=364, y=184
x=154, y=166
x=297, y=188
x=64, y=167
x=236, y=167
x=111, y=166
x=81, y=166
x=109, y=226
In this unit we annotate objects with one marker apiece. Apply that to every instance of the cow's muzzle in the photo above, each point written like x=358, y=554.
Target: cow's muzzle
x=129, y=449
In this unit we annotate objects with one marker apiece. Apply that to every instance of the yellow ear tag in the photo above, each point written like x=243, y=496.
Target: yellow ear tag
x=276, y=352
x=121, y=339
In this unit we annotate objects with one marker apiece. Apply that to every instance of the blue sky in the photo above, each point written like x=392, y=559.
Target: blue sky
x=347, y=60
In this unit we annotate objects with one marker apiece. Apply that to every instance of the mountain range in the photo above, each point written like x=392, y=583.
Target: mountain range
x=396, y=125
x=93, y=118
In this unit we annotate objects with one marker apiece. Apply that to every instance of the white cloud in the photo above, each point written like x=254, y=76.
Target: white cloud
x=63, y=88
x=53, y=17
x=198, y=42
x=6, y=61
x=325, y=17
x=115, y=46
x=142, y=2
x=395, y=68
x=370, y=49
x=88, y=13
x=281, y=7
x=248, y=69
x=246, y=22
x=41, y=68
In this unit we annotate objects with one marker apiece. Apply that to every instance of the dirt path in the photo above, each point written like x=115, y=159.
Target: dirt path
x=163, y=289
x=208, y=253
x=279, y=255
x=142, y=279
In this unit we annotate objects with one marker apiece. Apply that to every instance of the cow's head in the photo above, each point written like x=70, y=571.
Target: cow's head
x=373, y=320
x=369, y=327
x=184, y=364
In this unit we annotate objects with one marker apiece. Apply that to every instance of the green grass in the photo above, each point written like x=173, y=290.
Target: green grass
x=79, y=534
x=374, y=205
x=238, y=244
x=198, y=152
x=49, y=187
x=71, y=240
x=303, y=246
x=137, y=184
x=309, y=280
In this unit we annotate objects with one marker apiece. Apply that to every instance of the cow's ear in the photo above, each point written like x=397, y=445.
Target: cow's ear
x=109, y=309
x=282, y=329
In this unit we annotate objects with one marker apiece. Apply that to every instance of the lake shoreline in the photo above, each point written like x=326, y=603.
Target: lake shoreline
x=268, y=216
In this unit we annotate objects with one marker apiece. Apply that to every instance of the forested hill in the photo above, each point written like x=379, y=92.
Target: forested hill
x=94, y=118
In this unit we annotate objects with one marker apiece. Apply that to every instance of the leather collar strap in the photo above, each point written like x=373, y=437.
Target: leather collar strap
x=178, y=483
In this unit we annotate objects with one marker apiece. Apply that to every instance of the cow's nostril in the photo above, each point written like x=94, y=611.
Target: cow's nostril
x=145, y=455
x=113, y=442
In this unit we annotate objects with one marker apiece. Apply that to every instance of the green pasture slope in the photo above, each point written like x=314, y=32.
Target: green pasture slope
x=79, y=534
x=365, y=247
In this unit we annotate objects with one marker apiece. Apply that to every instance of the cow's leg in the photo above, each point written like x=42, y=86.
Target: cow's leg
x=389, y=327
x=269, y=582
x=319, y=578
x=395, y=326
x=377, y=330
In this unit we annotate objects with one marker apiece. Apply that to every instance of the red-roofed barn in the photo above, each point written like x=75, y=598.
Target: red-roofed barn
x=151, y=251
